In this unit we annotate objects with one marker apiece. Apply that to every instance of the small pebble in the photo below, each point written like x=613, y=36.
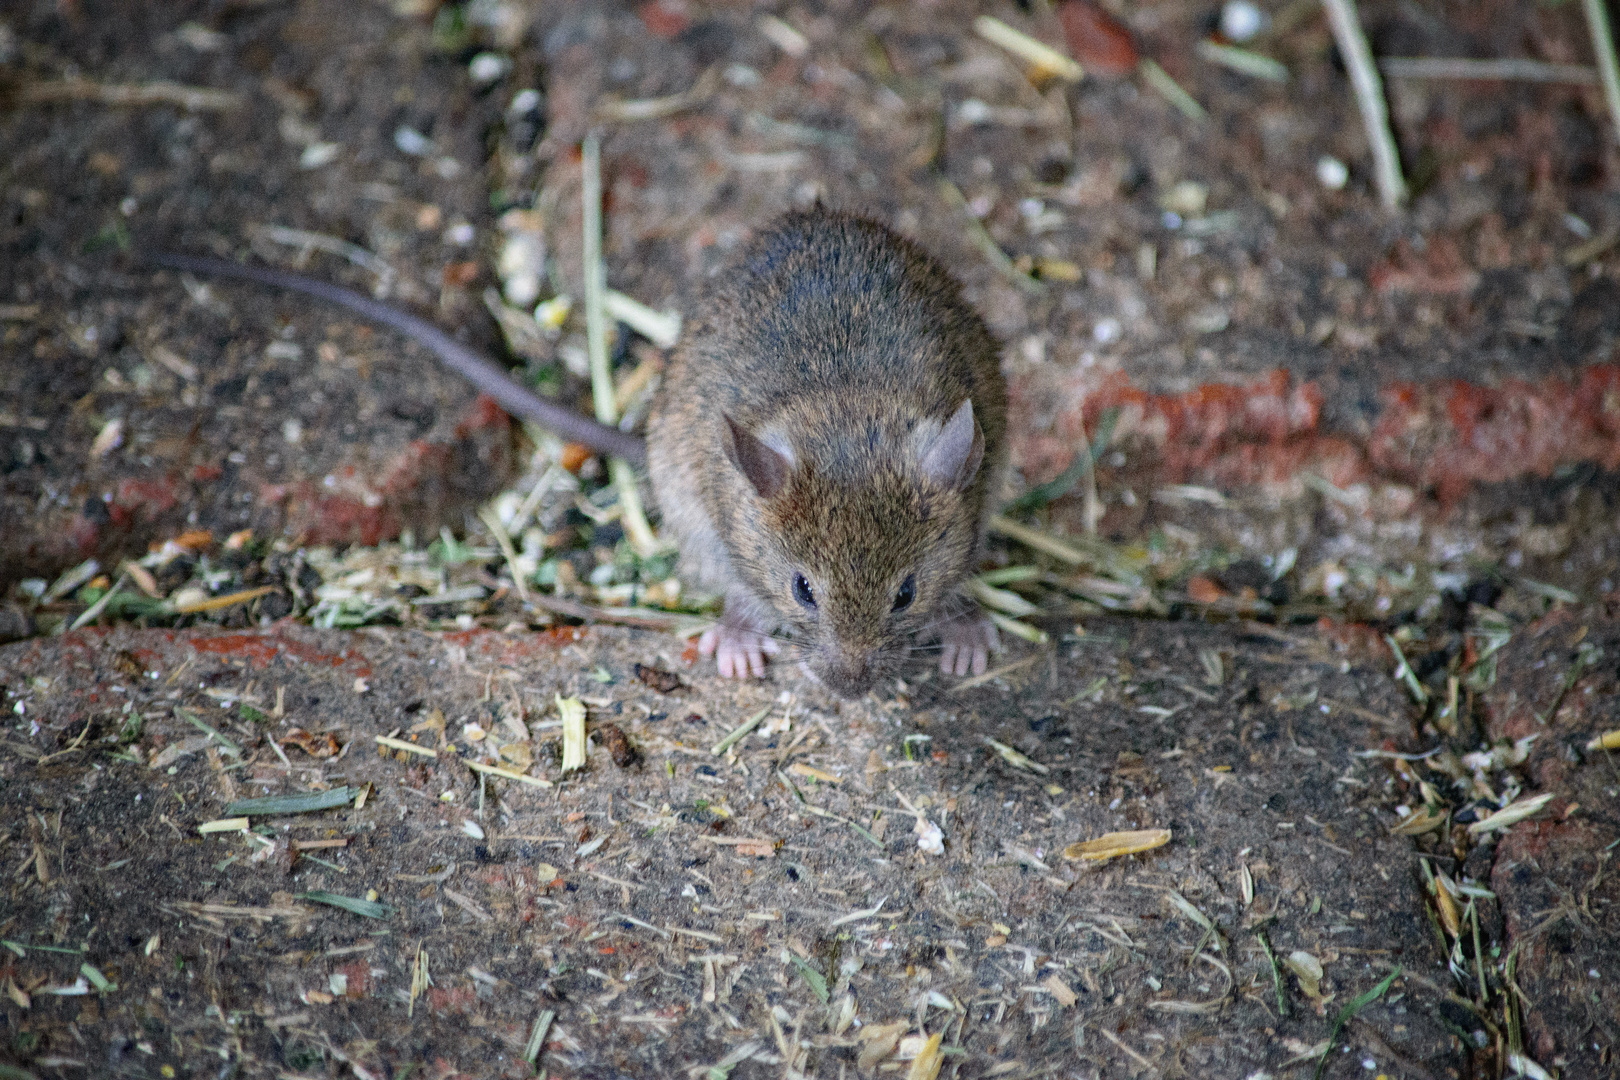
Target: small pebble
x=1332, y=172
x=486, y=68
x=1241, y=20
x=410, y=141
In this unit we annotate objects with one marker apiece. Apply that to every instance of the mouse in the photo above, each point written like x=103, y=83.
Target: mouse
x=826, y=450
x=826, y=447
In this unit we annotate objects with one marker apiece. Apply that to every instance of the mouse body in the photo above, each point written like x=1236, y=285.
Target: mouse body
x=826, y=449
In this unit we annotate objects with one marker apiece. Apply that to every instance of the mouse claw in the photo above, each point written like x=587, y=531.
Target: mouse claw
x=966, y=645
x=738, y=651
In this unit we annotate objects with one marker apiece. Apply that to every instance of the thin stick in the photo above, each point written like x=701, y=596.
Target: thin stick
x=1505, y=69
x=607, y=409
x=1369, y=90
x=1597, y=19
x=492, y=522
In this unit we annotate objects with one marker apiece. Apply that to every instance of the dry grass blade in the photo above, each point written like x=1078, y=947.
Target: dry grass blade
x=1369, y=91
x=1015, y=758
x=572, y=711
x=219, y=825
x=93, y=612
x=1609, y=740
x=1172, y=91
x=984, y=241
x=224, y=744
x=1114, y=844
x=162, y=92
x=420, y=979
x=662, y=328
x=813, y=978
x=292, y=804
x=1506, y=69
x=215, y=603
x=353, y=905
x=607, y=406
x=612, y=110
x=995, y=673
x=925, y=1066
x=1351, y=1010
x=1511, y=814
x=1008, y=603
x=408, y=747
x=1044, y=60
x=507, y=774
x=537, y=1036
x=1242, y=61
x=738, y=733
x=1032, y=634
x=1597, y=20
x=503, y=540
x=1424, y=819
x=1039, y=541
x=1276, y=973
x=857, y=916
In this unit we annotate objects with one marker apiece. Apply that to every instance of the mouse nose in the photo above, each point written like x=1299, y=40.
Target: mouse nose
x=852, y=671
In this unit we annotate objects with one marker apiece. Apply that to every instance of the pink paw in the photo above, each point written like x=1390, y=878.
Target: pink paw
x=738, y=652
x=966, y=644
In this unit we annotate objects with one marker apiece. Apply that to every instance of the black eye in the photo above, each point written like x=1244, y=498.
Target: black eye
x=802, y=592
x=907, y=593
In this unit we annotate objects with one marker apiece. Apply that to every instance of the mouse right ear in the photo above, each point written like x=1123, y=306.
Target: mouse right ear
x=766, y=467
x=951, y=458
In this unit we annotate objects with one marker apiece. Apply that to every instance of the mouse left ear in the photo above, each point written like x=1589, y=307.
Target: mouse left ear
x=952, y=458
x=767, y=467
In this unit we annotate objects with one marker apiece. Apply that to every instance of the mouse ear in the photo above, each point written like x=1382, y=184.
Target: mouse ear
x=952, y=458
x=766, y=467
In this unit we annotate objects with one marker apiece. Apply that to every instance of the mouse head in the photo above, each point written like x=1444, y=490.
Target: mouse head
x=858, y=543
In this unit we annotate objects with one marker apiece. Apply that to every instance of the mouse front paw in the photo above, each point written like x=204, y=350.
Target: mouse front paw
x=966, y=642
x=739, y=651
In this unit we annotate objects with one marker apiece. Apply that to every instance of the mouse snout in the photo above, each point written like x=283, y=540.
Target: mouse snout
x=849, y=670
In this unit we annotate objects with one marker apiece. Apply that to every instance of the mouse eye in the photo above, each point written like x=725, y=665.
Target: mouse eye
x=907, y=593
x=802, y=592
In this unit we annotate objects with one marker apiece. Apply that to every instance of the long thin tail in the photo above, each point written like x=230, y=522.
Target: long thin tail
x=472, y=366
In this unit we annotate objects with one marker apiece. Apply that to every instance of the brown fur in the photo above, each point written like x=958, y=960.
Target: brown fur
x=847, y=348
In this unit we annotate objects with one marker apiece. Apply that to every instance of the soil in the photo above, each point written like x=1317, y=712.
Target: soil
x=1401, y=420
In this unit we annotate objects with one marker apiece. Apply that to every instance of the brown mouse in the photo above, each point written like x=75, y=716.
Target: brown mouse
x=828, y=441
x=825, y=449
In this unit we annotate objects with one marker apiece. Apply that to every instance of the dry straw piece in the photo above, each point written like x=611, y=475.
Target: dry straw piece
x=1609, y=740
x=1511, y=814
x=1114, y=844
x=1044, y=61
x=572, y=711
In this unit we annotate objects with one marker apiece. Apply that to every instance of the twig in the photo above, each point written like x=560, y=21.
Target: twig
x=1597, y=19
x=93, y=612
x=492, y=522
x=984, y=241
x=738, y=732
x=1034, y=538
x=642, y=618
x=306, y=241
x=1042, y=58
x=190, y=98
x=1172, y=91
x=1505, y=69
x=1369, y=90
x=480, y=767
x=607, y=409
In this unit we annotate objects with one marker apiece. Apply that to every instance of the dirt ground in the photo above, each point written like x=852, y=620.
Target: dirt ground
x=1345, y=589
